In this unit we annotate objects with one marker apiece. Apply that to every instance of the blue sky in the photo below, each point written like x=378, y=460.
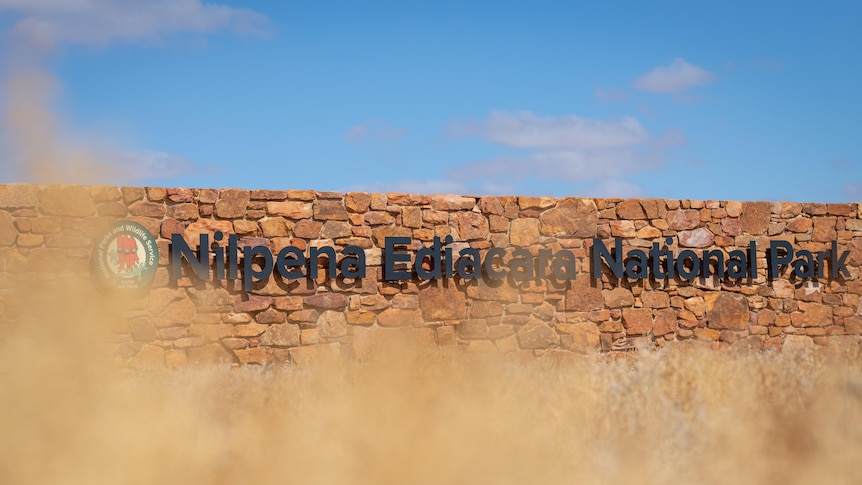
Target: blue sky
x=668, y=99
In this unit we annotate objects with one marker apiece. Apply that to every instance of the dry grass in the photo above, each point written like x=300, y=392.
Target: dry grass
x=421, y=416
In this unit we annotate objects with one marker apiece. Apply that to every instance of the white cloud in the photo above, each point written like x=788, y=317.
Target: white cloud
x=674, y=78
x=523, y=129
x=568, y=148
x=46, y=23
x=374, y=131
x=615, y=188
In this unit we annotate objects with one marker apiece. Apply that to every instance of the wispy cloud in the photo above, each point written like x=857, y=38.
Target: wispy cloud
x=676, y=77
x=373, y=130
x=853, y=190
x=523, y=129
x=37, y=145
x=47, y=23
x=567, y=148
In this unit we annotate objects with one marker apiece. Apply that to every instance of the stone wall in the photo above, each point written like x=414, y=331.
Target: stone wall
x=49, y=229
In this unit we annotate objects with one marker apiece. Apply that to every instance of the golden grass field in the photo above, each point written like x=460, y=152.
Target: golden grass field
x=420, y=416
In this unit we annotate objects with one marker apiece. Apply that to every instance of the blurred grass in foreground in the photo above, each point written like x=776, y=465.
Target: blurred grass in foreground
x=423, y=416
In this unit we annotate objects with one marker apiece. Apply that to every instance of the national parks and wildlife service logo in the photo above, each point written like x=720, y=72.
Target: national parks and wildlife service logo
x=126, y=256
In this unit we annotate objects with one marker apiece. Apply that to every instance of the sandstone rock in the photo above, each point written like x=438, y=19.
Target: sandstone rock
x=853, y=325
x=707, y=334
x=786, y=210
x=8, y=232
x=664, y=322
x=727, y=311
x=491, y=205
x=637, y=321
x=396, y=317
x=471, y=225
x=526, y=202
x=730, y=227
x=485, y=309
x=275, y=227
x=205, y=226
x=183, y=212
x=147, y=209
x=335, y=230
x=824, y=229
x=377, y=218
x=14, y=196
x=329, y=301
x=332, y=324
x=648, y=232
x=232, y=203
x=536, y=334
x=407, y=302
x=411, y=217
x=524, y=232
x=623, y=229
x=755, y=217
x=496, y=291
x=572, y=217
x=357, y=201
x=817, y=315
x=799, y=224
x=733, y=208
x=631, y=209
x=251, y=303
x=654, y=208
x=447, y=202
x=254, y=355
x=439, y=302
x=474, y=328
x=583, y=296
x=249, y=329
x=545, y=311
x=268, y=194
x=270, y=315
x=382, y=232
x=245, y=228
x=618, y=297
x=291, y=209
x=683, y=219
x=697, y=238
x=655, y=299
x=585, y=337
x=307, y=229
x=855, y=248
x=66, y=200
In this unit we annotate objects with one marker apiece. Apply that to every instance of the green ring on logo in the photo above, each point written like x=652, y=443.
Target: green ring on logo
x=125, y=256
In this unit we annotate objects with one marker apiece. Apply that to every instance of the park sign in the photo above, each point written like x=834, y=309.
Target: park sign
x=221, y=261
x=126, y=257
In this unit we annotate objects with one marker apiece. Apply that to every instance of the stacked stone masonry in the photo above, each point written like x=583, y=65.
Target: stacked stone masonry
x=44, y=229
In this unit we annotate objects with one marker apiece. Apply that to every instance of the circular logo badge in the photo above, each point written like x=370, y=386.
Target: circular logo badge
x=126, y=256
